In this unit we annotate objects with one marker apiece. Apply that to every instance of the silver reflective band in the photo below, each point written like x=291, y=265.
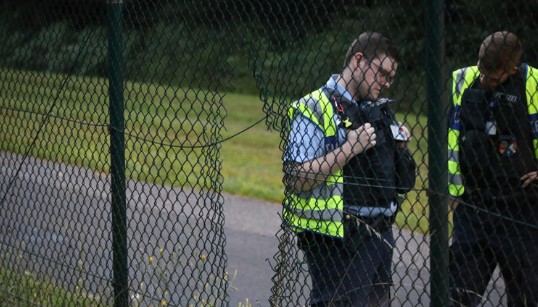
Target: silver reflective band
x=455, y=179
x=453, y=155
x=460, y=81
x=323, y=192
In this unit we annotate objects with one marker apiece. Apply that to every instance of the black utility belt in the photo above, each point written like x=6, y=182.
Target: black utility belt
x=379, y=223
x=379, y=219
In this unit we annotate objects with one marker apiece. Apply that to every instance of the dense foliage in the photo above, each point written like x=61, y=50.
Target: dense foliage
x=276, y=48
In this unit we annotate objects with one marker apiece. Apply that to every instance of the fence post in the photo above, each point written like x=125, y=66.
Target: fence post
x=439, y=284
x=117, y=154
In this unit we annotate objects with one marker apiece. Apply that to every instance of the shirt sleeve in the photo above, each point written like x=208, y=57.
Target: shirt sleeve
x=305, y=141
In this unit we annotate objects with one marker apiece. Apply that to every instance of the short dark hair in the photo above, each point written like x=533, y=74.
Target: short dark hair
x=499, y=50
x=372, y=44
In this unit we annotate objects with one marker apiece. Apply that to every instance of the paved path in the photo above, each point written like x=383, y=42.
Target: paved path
x=252, y=225
x=59, y=216
x=258, y=227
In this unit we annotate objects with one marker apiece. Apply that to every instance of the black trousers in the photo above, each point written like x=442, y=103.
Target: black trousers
x=353, y=271
x=481, y=242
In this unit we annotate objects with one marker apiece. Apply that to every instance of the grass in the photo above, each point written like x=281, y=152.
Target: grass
x=166, y=129
x=16, y=288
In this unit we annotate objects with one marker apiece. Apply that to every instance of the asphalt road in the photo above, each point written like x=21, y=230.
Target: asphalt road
x=55, y=223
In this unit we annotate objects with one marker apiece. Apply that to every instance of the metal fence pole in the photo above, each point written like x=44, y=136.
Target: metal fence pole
x=437, y=150
x=117, y=155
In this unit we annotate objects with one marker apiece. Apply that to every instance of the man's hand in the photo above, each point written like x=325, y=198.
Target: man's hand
x=403, y=130
x=305, y=176
x=362, y=138
x=530, y=178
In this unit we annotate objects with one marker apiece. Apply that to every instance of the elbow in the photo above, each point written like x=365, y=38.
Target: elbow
x=294, y=184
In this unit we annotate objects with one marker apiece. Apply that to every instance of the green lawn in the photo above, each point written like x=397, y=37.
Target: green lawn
x=166, y=129
x=15, y=288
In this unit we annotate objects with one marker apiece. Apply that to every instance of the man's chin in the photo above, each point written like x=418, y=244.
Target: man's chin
x=373, y=96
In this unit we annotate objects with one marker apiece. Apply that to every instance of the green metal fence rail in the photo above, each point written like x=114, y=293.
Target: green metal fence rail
x=117, y=156
x=125, y=123
x=436, y=152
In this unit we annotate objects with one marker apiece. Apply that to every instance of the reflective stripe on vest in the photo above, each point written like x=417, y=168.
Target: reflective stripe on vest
x=320, y=209
x=462, y=79
x=532, y=104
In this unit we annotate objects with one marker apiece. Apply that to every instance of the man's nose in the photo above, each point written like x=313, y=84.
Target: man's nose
x=486, y=82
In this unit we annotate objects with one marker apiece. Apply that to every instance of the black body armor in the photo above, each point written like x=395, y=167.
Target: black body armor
x=376, y=176
x=496, y=139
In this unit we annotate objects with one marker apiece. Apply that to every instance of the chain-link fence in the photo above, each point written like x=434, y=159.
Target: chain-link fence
x=115, y=117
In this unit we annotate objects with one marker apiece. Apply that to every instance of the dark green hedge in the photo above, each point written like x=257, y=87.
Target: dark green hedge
x=284, y=47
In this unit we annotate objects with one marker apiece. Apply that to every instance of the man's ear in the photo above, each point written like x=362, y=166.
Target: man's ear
x=513, y=70
x=358, y=57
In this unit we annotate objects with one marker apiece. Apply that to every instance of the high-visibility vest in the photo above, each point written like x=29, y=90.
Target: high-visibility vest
x=462, y=79
x=320, y=209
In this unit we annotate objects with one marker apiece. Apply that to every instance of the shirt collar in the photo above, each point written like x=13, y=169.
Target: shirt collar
x=332, y=86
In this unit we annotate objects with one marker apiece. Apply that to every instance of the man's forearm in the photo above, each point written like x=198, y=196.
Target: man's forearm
x=306, y=176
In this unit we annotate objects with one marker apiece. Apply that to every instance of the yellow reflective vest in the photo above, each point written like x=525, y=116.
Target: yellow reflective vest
x=320, y=209
x=462, y=79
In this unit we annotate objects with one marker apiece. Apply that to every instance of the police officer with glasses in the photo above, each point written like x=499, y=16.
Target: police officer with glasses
x=345, y=164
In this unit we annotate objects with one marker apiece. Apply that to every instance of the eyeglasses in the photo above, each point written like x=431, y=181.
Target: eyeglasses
x=380, y=71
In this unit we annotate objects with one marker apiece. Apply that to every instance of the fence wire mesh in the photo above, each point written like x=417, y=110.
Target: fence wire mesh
x=194, y=77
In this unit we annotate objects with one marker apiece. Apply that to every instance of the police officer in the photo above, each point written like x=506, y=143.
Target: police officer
x=340, y=173
x=493, y=171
